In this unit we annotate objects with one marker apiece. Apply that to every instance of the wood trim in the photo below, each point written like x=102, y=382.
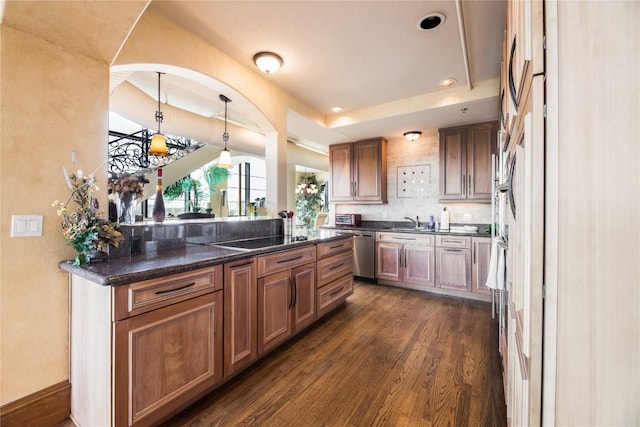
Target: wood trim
x=48, y=406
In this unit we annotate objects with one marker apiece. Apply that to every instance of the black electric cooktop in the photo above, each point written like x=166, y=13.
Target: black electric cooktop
x=264, y=242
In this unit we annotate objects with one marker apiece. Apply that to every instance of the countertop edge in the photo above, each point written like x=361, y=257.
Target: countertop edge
x=126, y=270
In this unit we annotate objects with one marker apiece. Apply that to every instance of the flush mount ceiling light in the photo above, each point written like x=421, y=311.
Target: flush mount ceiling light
x=267, y=62
x=158, y=145
x=412, y=135
x=430, y=21
x=336, y=109
x=447, y=82
x=225, y=155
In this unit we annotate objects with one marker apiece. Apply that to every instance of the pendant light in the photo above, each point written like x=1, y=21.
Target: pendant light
x=158, y=141
x=225, y=156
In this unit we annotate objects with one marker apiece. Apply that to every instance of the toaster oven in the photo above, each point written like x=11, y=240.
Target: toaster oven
x=352, y=220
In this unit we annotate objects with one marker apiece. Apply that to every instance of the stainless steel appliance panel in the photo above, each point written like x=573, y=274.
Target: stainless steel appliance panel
x=364, y=247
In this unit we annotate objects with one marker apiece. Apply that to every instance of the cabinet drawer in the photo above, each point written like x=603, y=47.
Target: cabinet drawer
x=461, y=242
x=141, y=297
x=333, y=267
x=334, y=294
x=417, y=239
x=330, y=248
x=268, y=264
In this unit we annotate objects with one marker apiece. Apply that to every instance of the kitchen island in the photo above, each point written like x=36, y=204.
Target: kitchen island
x=153, y=332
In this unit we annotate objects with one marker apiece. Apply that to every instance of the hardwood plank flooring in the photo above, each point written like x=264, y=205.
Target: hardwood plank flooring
x=389, y=357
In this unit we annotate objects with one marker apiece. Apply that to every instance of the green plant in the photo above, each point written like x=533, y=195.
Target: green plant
x=186, y=186
x=215, y=176
x=308, y=197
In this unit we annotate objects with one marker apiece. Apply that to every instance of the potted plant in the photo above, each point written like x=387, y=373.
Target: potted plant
x=83, y=226
x=308, y=197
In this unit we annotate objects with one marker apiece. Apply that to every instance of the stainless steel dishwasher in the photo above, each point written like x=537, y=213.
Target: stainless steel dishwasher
x=364, y=248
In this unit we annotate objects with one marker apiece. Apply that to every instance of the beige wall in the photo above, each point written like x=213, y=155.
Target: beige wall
x=53, y=101
x=402, y=153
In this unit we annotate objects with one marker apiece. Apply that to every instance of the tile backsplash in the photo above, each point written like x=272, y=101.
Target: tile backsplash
x=412, y=187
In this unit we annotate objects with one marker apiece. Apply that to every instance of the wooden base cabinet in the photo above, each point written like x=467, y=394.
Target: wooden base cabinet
x=286, y=296
x=481, y=253
x=143, y=351
x=406, y=258
x=174, y=354
x=287, y=304
x=334, y=275
x=241, y=321
x=453, y=263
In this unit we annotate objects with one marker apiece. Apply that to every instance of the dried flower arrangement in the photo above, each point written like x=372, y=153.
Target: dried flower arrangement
x=83, y=227
x=128, y=188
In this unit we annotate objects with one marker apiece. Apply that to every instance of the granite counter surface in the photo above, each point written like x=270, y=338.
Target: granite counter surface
x=125, y=270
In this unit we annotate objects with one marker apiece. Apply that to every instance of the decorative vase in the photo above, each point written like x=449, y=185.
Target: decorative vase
x=127, y=208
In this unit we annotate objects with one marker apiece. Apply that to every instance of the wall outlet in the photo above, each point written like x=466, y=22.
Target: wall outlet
x=468, y=217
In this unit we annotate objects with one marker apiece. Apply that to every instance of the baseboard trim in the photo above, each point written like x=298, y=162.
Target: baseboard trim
x=46, y=407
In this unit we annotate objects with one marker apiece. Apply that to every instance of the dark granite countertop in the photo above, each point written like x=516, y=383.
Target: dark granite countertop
x=125, y=270
x=396, y=229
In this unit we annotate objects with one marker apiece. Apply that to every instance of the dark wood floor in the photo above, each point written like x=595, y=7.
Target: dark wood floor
x=390, y=357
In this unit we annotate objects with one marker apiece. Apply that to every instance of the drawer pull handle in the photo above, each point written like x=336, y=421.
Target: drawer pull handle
x=336, y=246
x=289, y=260
x=403, y=238
x=336, y=266
x=166, y=291
x=453, y=250
x=336, y=292
x=452, y=241
x=242, y=265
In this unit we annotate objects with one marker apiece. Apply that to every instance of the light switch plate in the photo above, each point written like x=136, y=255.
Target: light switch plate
x=26, y=225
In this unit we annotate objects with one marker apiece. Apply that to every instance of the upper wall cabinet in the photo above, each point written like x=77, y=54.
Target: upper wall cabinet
x=465, y=162
x=359, y=172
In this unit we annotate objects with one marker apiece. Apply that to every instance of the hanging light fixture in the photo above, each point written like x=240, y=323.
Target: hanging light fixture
x=412, y=135
x=267, y=62
x=158, y=141
x=225, y=156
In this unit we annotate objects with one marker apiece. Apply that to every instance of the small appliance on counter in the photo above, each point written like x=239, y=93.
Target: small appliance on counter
x=348, y=220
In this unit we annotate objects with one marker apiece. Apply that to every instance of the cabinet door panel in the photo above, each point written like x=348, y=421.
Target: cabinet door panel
x=419, y=265
x=341, y=179
x=166, y=357
x=453, y=164
x=241, y=323
x=274, y=315
x=304, y=298
x=454, y=269
x=368, y=172
x=481, y=140
x=481, y=255
x=388, y=265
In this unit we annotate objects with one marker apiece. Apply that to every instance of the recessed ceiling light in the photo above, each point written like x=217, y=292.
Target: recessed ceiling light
x=336, y=109
x=447, y=82
x=430, y=21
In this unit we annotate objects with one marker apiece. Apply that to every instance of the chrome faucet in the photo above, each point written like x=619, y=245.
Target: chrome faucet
x=416, y=221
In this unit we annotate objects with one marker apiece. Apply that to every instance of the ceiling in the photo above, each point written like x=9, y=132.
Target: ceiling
x=367, y=57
